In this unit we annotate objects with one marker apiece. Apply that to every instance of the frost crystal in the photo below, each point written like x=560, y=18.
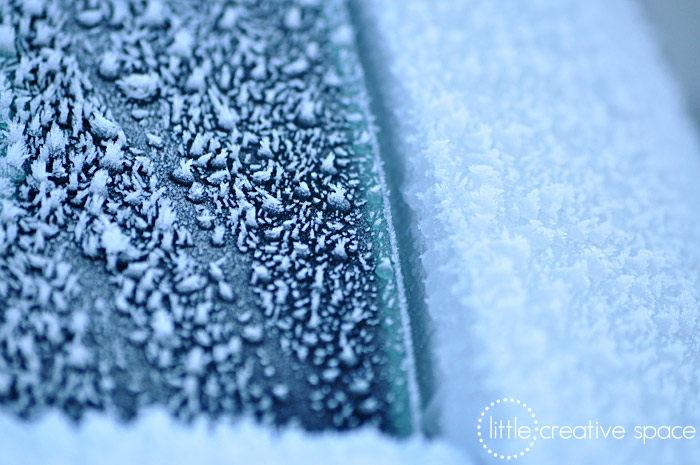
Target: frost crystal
x=183, y=197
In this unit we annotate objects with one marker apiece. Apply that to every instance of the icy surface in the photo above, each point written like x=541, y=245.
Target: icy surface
x=554, y=177
x=192, y=215
x=156, y=440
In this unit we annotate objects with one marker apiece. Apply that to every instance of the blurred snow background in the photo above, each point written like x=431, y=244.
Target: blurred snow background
x=553, y=171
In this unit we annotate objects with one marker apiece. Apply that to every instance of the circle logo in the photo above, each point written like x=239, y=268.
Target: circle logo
x=507, y=428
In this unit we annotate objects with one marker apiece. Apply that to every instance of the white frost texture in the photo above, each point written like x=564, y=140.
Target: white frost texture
x=554, y=177
x=156, y=440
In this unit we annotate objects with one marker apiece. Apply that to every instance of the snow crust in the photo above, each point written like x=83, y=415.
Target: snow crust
x=155, y=439
x=554, y=174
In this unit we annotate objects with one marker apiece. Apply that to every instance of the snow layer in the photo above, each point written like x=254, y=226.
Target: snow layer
x=554, y=174
x=155, y=439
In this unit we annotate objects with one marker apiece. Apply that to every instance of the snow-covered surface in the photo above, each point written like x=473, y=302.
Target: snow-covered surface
x=193, y=218
x=154, y=439
x=196, y=184
x=554, y=176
